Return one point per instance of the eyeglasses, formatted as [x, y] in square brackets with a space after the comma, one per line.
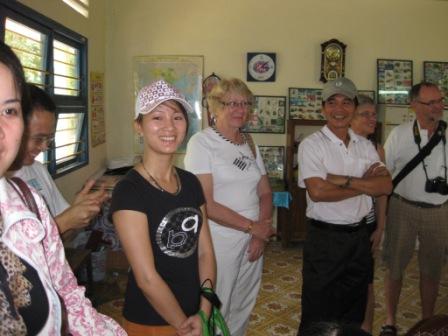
[367, 115]
[234, 104]
[42, 139]
[432, 103]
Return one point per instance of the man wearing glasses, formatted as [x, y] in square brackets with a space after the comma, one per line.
[41, 127]
[418, 207]
[341, 172]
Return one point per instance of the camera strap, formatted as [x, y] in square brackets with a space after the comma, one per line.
[423, 152]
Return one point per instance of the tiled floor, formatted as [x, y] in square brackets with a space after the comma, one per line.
[277, 310]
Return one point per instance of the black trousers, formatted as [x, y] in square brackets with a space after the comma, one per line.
[336, 268]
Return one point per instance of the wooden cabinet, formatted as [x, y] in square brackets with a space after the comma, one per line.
[293, 228]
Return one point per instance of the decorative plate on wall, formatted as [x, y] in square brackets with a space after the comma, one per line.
[261, 67]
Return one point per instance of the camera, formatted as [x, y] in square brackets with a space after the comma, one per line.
[437, 185]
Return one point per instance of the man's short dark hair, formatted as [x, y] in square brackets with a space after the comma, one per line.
[414, 92]
[40, 100]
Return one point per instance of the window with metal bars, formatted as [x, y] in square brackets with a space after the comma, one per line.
[54, 58]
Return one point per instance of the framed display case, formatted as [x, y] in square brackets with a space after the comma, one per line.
[437, 73]
[394, 80]
[305, 103]
[294, 228]
[274, 162]
[268, 115]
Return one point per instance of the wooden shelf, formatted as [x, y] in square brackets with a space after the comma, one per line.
[294, 228]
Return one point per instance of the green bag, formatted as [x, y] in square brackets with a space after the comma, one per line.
[215, 324]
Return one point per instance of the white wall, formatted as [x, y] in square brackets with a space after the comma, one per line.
[224, 31]
[94, 29]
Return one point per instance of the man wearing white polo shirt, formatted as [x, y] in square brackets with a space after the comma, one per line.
[418, 208]
[341, 172]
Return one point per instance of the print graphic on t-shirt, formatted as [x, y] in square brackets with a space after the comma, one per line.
[243, 162]
[35, 184]
[178, 232]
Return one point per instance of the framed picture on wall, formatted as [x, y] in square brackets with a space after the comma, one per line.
[394, 80]
[185, 73]
[437, 73]
[274, 162]
[305, 103]
[268, 115]
[368, 93]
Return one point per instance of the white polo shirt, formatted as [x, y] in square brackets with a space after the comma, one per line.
[324, 153]
[400, 148]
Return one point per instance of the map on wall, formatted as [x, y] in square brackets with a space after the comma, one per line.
[185, 73]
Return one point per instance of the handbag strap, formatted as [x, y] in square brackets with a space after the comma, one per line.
[25, 194]
[420, 156]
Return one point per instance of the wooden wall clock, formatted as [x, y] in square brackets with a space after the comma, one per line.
[332, 60]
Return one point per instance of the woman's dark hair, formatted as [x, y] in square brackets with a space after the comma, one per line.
[10, 60]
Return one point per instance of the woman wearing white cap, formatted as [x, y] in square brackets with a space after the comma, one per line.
[158, 211]
[239, 200]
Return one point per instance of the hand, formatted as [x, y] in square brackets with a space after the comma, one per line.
[78, 215]
[192, 326]
[375, 238]
[98, 196]
[256, 248]
[263, 229]
[377, 169]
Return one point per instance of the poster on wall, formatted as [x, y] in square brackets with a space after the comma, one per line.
[437, 73]
[268, 115]
[274, 161]
[394, 80]
[305, 103]
[185, 73]
[98, 125]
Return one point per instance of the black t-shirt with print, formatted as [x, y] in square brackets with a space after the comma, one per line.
[175, 222]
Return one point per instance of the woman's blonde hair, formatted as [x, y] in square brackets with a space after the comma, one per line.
[225, 86]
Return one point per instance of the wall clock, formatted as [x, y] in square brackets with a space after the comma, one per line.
[332, 64]
[261, 67]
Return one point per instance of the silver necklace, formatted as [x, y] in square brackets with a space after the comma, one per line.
[154, 181]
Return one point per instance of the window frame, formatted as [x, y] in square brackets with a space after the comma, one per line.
[65, 104]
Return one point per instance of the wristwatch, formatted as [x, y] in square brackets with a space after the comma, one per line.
[347, 182]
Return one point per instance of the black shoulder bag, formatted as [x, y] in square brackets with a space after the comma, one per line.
[424, 152]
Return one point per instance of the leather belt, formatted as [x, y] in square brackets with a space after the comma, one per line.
[423, 205]
[338, 227]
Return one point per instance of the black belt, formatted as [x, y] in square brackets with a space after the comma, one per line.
[418, 204]
[338, 227]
